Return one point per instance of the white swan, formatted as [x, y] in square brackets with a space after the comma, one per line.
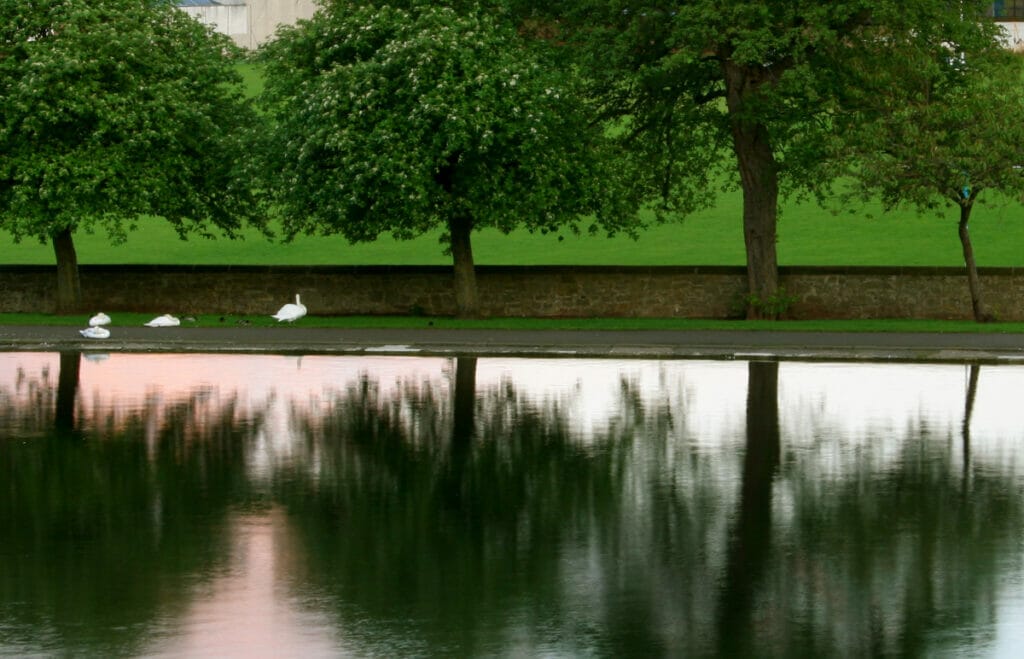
[291, 312]
[166, 320]
[95, 332]
[99, 319]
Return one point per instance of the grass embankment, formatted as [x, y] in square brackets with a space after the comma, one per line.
[808, 235]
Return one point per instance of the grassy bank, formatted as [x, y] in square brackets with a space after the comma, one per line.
[808, 235]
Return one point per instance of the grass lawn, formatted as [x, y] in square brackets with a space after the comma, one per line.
[808, 235]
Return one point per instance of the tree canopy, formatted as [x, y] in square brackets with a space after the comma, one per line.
[946, 130]
[405, 120]
[114, 109]
[757, 78]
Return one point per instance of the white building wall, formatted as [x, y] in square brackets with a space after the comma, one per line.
[232, 20]
[1013, 34]
[252, 22]
[266, 15]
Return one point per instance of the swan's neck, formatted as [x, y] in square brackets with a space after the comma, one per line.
[297, 299]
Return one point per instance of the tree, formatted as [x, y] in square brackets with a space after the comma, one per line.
[112, 110]
[949, 131]
[693, 81]
[404, 120]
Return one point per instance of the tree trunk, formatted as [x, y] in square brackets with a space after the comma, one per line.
[972, 393]
[464, 408]
[67, 392]
[463, 427]
[750, 542]
[69, 288]
[760, 182]
[466, 302]
[981, 313]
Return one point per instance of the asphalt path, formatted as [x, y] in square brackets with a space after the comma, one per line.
[701, 344]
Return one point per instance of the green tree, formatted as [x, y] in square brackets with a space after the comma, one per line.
[758, 80]
[950, 130]
[406, 120]
[111, 110]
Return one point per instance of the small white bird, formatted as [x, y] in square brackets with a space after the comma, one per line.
[95, 332]
[99, 319]
[291, 312]
[166, 320]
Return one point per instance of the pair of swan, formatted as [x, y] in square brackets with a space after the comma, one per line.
[96, 329]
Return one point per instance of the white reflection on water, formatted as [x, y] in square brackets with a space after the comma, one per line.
[834, 418]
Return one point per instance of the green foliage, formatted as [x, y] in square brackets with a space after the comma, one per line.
[670, 68]
[771, 306]
[397, 120]
[951, 130]
[112, 109]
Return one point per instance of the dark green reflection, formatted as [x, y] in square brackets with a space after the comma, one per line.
[423, 535]
[101, 536]
[438, 514]
[446, 518]
[898, 557]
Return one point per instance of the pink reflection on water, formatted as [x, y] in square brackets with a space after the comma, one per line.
[246, 611]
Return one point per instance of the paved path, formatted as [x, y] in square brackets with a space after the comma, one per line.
[737, 344]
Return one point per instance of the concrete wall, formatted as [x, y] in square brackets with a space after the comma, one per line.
[549, 291]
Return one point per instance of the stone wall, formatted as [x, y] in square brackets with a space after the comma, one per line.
[539, 291]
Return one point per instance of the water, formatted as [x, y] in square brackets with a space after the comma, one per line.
[225, 505]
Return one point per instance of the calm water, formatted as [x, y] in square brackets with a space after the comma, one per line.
[223, 505]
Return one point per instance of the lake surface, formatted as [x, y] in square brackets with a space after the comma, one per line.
[324, 506]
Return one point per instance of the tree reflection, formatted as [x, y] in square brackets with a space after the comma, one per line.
[749, 547]
[460, 540]
[29, 407]
[971, 394]
[423, 521]
[445, 518]
[67, 390]
[101, 538]
[888, 558]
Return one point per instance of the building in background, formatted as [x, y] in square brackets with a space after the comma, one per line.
[249, 23]
[1009, 14]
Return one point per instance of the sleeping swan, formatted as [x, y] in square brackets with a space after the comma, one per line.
[95, 332]
[166, 320]
[99, 319]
